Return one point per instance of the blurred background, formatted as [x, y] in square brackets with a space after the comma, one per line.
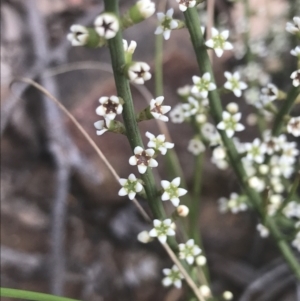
[64, 230]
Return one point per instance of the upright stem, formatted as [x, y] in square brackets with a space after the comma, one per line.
[193, 25]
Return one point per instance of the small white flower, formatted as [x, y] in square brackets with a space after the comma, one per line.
[252, 96]
[110, 107]
[162, 229]
[189, 251]
[205, 291]
[144, 237]
[177, 114]
[184, 91]
[232, 108]
[182, 210]
[235, 204]
[227, 295]
[256, 151]
[173, 276]
[159, 143]
[157, 110]
[296, 241]
[185, 4]
[281, 166]
[138, 72]
[129, 48]
[210, 133]
[263, 231]
[293, 28]
[269, 94]
[202, 85]
[107, 25]
[295, 76]
[146, 8]
[292, 209]
[172, 191]
[196, 146]
[296, 52]
[130, 186]
[275, 201]
[143, 159]
[191, 107]
[219, 41]
[230, 123]
[293, 126]
[102, 126]
[234, 84]
[79, 35]
[167, 23]
[201, 260]
[289, 152]
[257, 184]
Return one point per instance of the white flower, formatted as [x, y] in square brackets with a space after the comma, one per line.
[177, 114]
[107, 25]
[138, 72]
[110, 107]
[143, 159]
[280, 166]
[232, 108]
[235, 204]
[293, 126]
[230, 123]
[157, 110]
[296, 52]
[162, 229]
[275, 201]
[263, 231]
[289, 152]
[189, 251]
[172, 191]
[185, 4]
[159, 143]
[293, 28]
[102, 126]
[79, 35]
[219, 41]
[296, 241]
[129, 48]
[184, 91]
[210, 133]
[227, 295]
[191, 107]
[234, 84]
[252, 96]
[257, 184]
[205, 291]
[269, 94]
[146, 8]
[182, 210]
[295, 76]
[202, 85]
[196, 146]
[173, 276]
[167, 23]
[292, 209]
[130, 186]
[201, 260]
[144, 237]
[256, 151]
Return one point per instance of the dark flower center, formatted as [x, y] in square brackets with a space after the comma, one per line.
[110, 107]
[143, 158]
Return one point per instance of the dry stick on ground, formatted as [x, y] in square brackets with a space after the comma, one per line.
[171, 254]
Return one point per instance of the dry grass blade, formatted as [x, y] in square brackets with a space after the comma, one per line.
[83, 132]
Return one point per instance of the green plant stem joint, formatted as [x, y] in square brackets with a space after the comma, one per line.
[94, 40]
[144, 115]
[117, 127]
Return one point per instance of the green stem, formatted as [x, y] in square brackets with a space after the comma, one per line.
[247, 15]
[123, 90]
[193, 25]
[285, 110]
[28, 295]
[159, 90]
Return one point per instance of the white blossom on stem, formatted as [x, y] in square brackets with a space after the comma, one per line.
[256, 151]
[182, 210]
[295, 76]
[157, 110]
[293, 28]
[102, 126]
[219, 41]
[159, 143]
[79, 35]
[234, 83]
[138, 72]
[110, 107]
[162, 229]
[167, 23]
[296, 52]
[230, 123]
[293, 126]
[172, 191]
[130, 186]
[196, 146]
[189, 251]
[107, 25]
[202, 85]
[268, 94]
[146, 8]
[143, 159]
[173, 276]
[177, 114]
[263, 230]
[130, 48]
[185, 4]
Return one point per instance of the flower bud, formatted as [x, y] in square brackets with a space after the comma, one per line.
[182, 210]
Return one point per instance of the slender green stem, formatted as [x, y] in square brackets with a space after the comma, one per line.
[247, 15]
[123, 90]
[158, 65]
[285, 110]
[28, 295]
[193, 25]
